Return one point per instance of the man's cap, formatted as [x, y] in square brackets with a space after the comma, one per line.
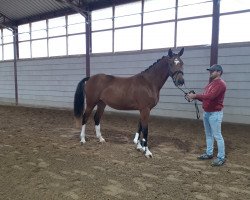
[215, 68]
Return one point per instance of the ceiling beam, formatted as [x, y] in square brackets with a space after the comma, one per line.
[75, 6]
[95, 5]
[6, 22]
[44, 16]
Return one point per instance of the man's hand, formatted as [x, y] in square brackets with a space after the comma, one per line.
[191, 96]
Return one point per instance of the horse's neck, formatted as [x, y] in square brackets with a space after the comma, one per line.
[158, 74]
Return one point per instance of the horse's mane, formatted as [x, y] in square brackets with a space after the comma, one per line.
[154, 64]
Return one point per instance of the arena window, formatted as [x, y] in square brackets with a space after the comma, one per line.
[7, 43]
[130, 27]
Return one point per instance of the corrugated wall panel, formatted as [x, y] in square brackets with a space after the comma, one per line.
[52, 81]
[236, 63]
[49, 82]
[7, 83]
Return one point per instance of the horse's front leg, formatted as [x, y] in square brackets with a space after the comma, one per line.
[144, 143]
[137, 137]
[144, 128]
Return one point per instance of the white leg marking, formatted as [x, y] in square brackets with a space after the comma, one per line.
[136, 138]
[139, 146]
[98, 133]
[148, 154]
[82, 135]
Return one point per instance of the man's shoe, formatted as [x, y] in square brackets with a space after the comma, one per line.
[204, 157]
[218, 162]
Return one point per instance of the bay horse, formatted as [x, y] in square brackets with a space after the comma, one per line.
[138, 92]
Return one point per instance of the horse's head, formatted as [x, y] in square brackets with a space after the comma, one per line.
[176, 67]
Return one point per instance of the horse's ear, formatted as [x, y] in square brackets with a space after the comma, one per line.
[181, 52]
[170, 53]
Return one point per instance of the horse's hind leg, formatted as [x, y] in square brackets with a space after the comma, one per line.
[97, 118]
[84, 121]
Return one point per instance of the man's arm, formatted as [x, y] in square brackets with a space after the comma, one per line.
[215, 92]
[211, 95]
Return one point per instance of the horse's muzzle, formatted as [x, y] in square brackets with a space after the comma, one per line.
[178, 79]
[179, 82]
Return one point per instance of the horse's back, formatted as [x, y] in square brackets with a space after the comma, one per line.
[124, 93]
[101, 82]
[104, 80]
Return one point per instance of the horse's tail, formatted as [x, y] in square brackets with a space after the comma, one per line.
[79, 98]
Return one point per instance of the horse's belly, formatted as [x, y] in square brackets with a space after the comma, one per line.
[121, 105]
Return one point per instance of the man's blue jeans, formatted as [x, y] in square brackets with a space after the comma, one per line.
[212, 124]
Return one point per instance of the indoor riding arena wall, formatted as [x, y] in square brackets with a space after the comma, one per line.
[7, 83]
[51, 82]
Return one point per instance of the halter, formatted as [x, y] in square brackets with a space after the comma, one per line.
[175, 74]
[174, 77]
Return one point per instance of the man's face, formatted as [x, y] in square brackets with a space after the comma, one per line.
[214, 74]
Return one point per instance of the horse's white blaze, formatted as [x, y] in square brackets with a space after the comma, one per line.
[98, 133]
[82, 135]
[136, 138]
[176, 61]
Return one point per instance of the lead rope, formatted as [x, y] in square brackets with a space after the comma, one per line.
[195, 100]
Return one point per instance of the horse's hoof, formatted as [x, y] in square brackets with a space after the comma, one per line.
[148, 153]
[102, 140]
[82, 142]
[149, 156]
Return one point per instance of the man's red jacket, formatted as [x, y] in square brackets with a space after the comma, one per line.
[213, 96]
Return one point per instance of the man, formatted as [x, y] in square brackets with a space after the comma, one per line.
[212, 103]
